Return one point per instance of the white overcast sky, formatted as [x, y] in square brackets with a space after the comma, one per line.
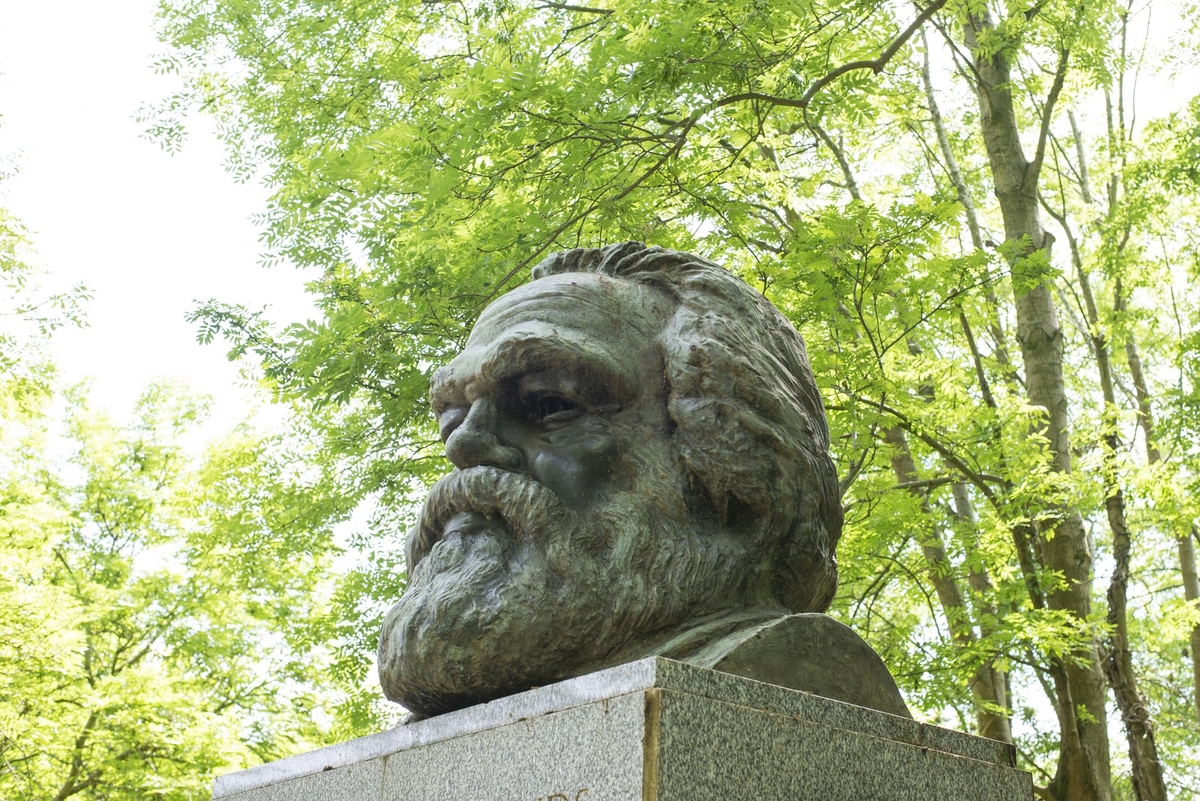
[148, 232]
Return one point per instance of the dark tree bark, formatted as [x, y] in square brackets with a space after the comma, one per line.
[1148, 781]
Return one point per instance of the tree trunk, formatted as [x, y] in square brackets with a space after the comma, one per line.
[1148, 781]
[988, 685]
[1186, 541]
[1191, 591]
[996, 726]
[1083, 768]
[964, 197]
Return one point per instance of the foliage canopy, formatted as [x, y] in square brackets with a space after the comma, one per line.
[992, 263]
[164, 614]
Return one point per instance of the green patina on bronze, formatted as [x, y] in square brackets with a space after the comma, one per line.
[642, 469]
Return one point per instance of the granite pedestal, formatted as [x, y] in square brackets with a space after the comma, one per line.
[653, 730]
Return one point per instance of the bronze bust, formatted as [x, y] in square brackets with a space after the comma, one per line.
[642, 468]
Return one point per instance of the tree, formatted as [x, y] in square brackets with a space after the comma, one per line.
[28, 317]
[425, 155]
[163, 615]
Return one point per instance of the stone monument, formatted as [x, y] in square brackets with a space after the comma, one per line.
[619, 591]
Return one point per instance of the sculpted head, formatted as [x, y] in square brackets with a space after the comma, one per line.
[640, 451]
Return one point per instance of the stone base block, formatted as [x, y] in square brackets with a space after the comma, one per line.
[653, 730]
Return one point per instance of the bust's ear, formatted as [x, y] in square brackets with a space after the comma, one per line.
[717, 443]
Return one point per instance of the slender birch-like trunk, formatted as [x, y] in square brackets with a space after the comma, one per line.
[1083, 772]
[1185, 540]
[988, 685]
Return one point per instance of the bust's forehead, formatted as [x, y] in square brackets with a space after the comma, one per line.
[583, 302]
[592, 324]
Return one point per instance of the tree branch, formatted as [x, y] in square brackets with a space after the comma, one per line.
[580, 9]
[1060, 74]
[876, 66]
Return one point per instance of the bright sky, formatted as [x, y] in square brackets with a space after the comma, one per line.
[146, 231]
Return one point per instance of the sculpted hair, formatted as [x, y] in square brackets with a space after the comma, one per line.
[750, 424]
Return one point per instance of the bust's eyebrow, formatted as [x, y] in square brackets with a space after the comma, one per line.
[530, 351]
[521, 353]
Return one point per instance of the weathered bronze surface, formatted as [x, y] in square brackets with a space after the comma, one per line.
[642, 468]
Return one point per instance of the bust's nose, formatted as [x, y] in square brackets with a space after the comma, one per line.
[477, 440]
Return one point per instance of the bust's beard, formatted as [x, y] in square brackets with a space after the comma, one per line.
[532, 592]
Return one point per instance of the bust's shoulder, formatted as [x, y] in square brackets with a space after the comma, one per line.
[809, 652]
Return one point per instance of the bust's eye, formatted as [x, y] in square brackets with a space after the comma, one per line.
[553, 409]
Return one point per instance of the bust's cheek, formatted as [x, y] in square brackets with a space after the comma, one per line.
[576, 467]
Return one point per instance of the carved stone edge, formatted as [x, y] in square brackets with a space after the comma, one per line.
[738, 690]
[620, 680]
[645, 674]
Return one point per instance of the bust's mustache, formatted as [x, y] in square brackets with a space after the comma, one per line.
[486, 498]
